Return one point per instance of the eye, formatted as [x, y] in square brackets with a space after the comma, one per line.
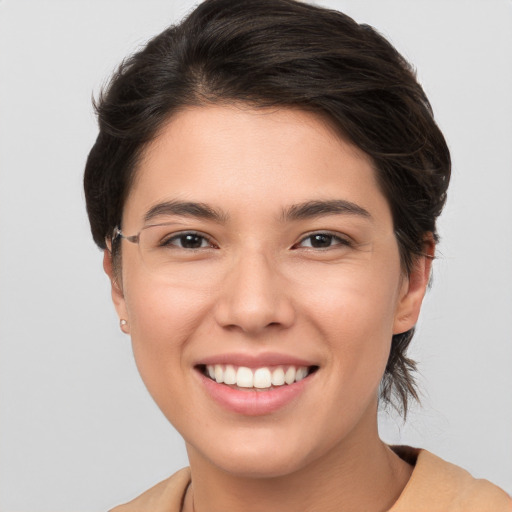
[187, 240]
[322, 241]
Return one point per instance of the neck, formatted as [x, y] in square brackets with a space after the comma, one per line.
[361, 473]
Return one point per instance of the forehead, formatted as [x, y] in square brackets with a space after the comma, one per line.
[255, 159]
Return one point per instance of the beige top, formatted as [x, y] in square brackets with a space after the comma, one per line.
[435, 486]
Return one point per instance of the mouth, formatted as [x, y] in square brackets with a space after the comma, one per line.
[265, 378]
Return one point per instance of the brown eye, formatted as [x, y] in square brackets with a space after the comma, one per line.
[322, 241]
[187, 241]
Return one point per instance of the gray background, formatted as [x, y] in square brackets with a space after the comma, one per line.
[78, 430]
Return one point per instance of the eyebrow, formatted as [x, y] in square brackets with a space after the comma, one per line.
[185, 209]
[301, 211]
[312, 209]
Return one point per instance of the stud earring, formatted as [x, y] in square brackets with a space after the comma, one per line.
[123, 325]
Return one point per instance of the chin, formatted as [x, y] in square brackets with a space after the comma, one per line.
[257, 453]
[260, 466]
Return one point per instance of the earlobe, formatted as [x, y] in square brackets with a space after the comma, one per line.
[414, 289]
[116, 290]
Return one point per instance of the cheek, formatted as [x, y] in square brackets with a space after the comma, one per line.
[161, 315]
[355, 313]
[362, 297]
[162, 321]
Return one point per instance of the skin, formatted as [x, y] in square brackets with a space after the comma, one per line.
[262, 289]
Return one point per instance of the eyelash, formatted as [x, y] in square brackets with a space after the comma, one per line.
[340, 241]
[167, 241]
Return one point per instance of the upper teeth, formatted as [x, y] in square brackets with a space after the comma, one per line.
[261, 378]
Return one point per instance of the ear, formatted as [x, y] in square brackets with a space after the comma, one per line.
[117, 291]
[414, 288]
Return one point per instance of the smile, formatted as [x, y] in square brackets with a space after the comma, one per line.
[248, 387]
[259, 379]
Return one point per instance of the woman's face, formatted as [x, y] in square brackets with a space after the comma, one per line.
[278, 260]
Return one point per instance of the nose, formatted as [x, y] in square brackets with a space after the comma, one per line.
[254, 296]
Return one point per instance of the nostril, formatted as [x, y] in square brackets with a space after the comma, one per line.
[252, 299]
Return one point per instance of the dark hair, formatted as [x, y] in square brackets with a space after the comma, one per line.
[281, 53]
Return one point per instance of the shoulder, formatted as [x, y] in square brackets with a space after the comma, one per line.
[165, 496]
[437, 485]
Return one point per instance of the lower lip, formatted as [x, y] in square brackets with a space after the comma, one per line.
[254, 403]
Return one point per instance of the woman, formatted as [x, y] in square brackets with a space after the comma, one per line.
[265, 186]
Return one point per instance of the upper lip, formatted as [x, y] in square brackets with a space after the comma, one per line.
[255, 360]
